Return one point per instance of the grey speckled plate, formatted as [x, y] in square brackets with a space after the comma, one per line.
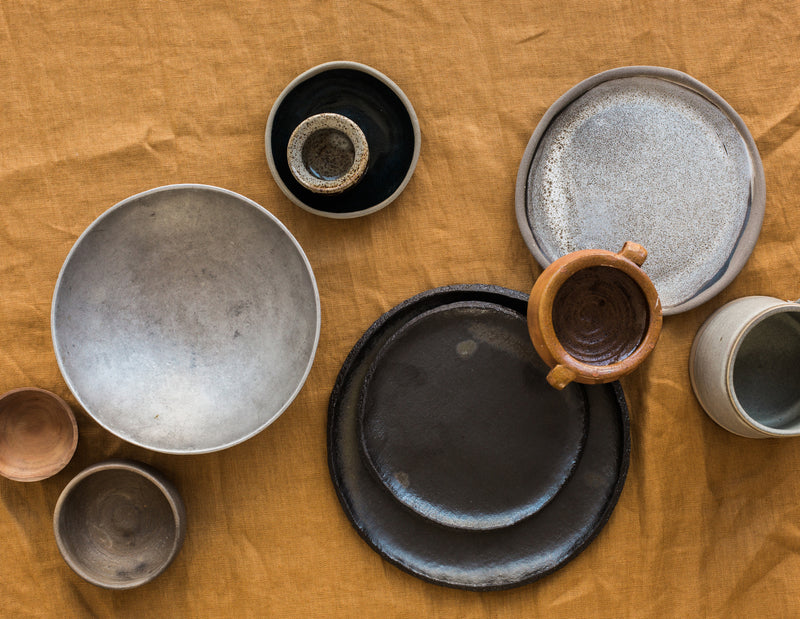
[650, 155]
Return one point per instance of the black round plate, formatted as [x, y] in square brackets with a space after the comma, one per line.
[377, 106]
[477, 560]
[459, 423]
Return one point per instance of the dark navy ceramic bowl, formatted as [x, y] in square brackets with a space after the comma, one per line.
[382, 111]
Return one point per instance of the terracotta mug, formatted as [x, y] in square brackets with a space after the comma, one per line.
[327, 153]
[594, 315]
[743, 367]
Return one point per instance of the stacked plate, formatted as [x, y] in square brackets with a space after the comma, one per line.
[453, 457]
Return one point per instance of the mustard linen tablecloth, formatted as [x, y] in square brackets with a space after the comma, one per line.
[101, 100]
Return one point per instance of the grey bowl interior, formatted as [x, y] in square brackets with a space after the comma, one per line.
[185, 319]
[119, 525]
[763, 375]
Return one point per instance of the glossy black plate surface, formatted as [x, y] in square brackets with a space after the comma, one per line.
[477, 560]
[384, 117]
[459, 422]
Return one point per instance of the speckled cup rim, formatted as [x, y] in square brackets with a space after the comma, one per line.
[354, 66]
[168, 491]
[752, 226]
[59, 464]
[309, 127]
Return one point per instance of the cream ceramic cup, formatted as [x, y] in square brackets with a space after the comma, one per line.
[327, 153]
[745, 367]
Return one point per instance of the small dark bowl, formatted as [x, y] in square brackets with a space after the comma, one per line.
[119, 524]
[38, 434]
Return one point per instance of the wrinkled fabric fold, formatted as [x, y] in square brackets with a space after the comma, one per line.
[101, 101]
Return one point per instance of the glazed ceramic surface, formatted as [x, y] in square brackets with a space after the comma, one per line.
[458, 423]
[457, 557]
[119, 524]
[38, 434]
[185, 319]
[327, 153]
[594, 316]
[382, 112]
[743, 367]
[650, 155]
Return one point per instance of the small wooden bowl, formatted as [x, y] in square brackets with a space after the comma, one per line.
[119, 524]
[38, 434]
[594, 315]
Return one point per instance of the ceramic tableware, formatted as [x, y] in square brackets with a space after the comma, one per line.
[743, 367]
[186, 319]
[594, 316]
[38, 434]
[343, 115]
[452, 435]
[475, 559]
[327, 153]
[650, 155]
[119, 524]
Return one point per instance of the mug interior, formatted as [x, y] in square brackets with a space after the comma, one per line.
[764, 374]
[600, 315]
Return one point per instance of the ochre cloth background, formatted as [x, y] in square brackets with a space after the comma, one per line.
[101, 100]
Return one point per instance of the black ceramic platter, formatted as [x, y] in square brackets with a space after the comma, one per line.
[418, 526]
[382, 111]
[457, 421]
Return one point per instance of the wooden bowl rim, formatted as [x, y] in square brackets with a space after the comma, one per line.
[56, 465]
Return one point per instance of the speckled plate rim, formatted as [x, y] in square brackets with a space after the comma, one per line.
[355, 66]
[340, 386]
[125, 203]
[755, 213]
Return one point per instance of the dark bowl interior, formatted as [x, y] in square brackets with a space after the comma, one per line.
[117, 528]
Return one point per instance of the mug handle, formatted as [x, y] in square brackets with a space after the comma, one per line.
[633, 252]
[561, 376]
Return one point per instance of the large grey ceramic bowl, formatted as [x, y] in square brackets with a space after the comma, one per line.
[185, 319]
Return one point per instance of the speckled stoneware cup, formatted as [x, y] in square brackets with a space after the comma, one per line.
[743, 367]
[38, 434]
[594, 315]
[328, 153]
[119, 524]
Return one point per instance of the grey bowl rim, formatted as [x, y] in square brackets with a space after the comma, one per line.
[122, 204]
